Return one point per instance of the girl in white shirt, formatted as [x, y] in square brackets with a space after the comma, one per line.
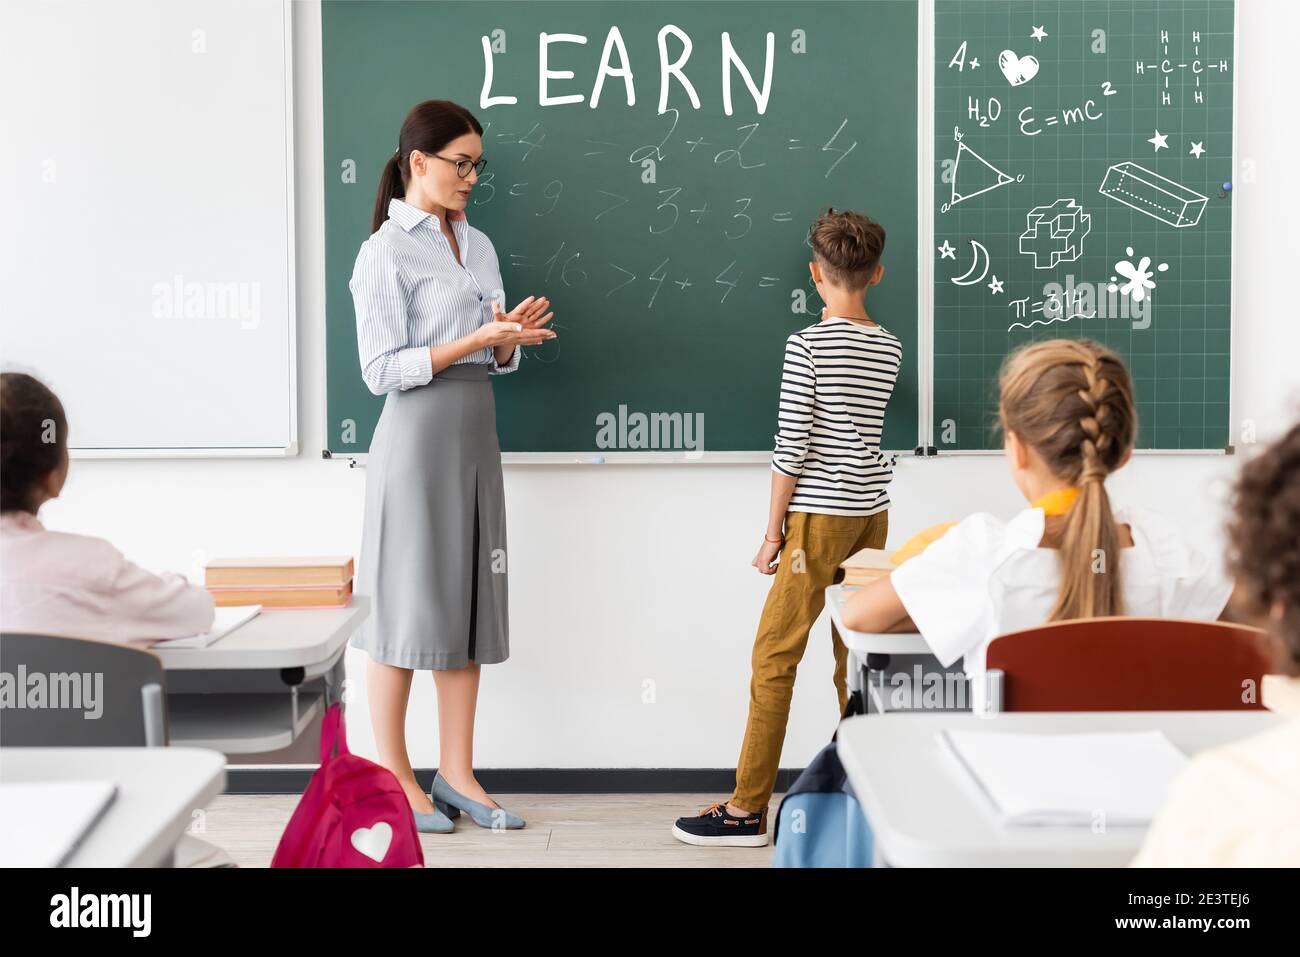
[1069, 420]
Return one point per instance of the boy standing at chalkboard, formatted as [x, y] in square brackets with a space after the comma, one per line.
[829, 499]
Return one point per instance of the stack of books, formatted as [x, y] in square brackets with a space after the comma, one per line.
[280, 582]
[866, 566]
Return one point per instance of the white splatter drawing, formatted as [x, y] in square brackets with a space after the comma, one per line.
[980, 263]
[1139, 277]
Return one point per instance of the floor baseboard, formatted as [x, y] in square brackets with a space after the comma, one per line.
[293, 780]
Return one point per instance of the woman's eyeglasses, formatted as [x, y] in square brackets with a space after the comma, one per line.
[463, 166]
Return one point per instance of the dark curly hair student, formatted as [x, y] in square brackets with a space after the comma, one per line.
[33, 443]
[1235, 805]
[1264, 542]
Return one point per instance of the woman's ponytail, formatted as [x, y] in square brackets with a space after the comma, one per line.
[392, 185]
[429, 127]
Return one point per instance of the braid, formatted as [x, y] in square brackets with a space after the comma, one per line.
[1096, 439]
[1072, 401]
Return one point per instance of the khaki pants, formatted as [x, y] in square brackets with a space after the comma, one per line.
[815, 545]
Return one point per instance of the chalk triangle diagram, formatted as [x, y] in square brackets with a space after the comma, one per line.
[975, 175]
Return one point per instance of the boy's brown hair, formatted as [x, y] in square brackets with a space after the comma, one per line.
[848, 247]
[1264, 540]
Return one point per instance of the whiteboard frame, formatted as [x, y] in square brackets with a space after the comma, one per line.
[291, 306]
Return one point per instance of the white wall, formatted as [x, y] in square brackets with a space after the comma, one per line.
[626, 574]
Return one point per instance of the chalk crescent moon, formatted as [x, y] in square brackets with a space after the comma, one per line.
[981, 260]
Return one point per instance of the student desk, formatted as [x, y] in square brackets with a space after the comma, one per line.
[925, 811]
[257, 688]
[158, 791]
[869, 652]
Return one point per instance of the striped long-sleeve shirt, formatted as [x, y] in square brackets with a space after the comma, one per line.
[410, 293]
[836, 381]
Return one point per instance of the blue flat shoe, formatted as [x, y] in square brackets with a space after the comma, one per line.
[433, 823]
[451, 802]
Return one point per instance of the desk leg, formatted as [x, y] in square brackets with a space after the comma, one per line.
[334, 679]
[875, 663]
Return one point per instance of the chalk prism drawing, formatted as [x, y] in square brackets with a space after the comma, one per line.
[1153, 195]
[1018, 70]
[1054, 233]
[981, 175]
[980, 263]
[1139, 276]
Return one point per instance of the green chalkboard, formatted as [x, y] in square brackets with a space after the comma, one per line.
[1088, 140]
[675, 282]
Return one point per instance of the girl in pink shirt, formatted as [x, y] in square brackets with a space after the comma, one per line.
[56, 583]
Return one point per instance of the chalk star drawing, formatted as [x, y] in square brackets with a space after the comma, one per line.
[1054, 233]
[995, 285]
[1153, 194]
[1160, 141]
[1038, 34]
[947, 250]
[980, 263]
[1139, 276]
[980, 174]
[1197, 149]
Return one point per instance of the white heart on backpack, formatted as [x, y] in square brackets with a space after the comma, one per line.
[1018, 70]
[373, 841]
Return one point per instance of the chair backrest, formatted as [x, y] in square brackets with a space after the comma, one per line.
[1131, 664]
[70, 692]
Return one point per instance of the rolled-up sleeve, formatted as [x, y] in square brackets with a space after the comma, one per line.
[795, 413]
[388, 361]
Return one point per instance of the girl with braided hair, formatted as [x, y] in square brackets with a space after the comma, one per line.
[1069, 420]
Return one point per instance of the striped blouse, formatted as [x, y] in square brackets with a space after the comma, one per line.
[835, 384]
[411, 293]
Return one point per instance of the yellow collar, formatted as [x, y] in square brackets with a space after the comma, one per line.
[1056, 503]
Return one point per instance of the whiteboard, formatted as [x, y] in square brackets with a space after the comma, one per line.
[148, 241]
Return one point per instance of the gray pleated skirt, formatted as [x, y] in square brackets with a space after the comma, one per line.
[433, 547]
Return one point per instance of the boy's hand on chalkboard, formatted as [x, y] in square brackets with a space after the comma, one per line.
[765, 560]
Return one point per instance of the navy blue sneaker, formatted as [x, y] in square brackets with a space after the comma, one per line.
[714, 827]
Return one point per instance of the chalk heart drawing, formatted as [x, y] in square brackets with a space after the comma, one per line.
[1139, 277]
[373, 841]
[1018, 70]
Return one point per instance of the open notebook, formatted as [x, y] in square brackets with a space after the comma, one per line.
[42, 823]
[225, 621]
[1117, 779]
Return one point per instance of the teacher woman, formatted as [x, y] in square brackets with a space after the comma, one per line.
[430, 330]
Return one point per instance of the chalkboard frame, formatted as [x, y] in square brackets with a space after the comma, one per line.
[924, 357]
[926, 233]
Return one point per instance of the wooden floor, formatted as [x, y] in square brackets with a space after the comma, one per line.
[564, 830]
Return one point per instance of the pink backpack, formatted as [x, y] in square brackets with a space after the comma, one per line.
[353, 814]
